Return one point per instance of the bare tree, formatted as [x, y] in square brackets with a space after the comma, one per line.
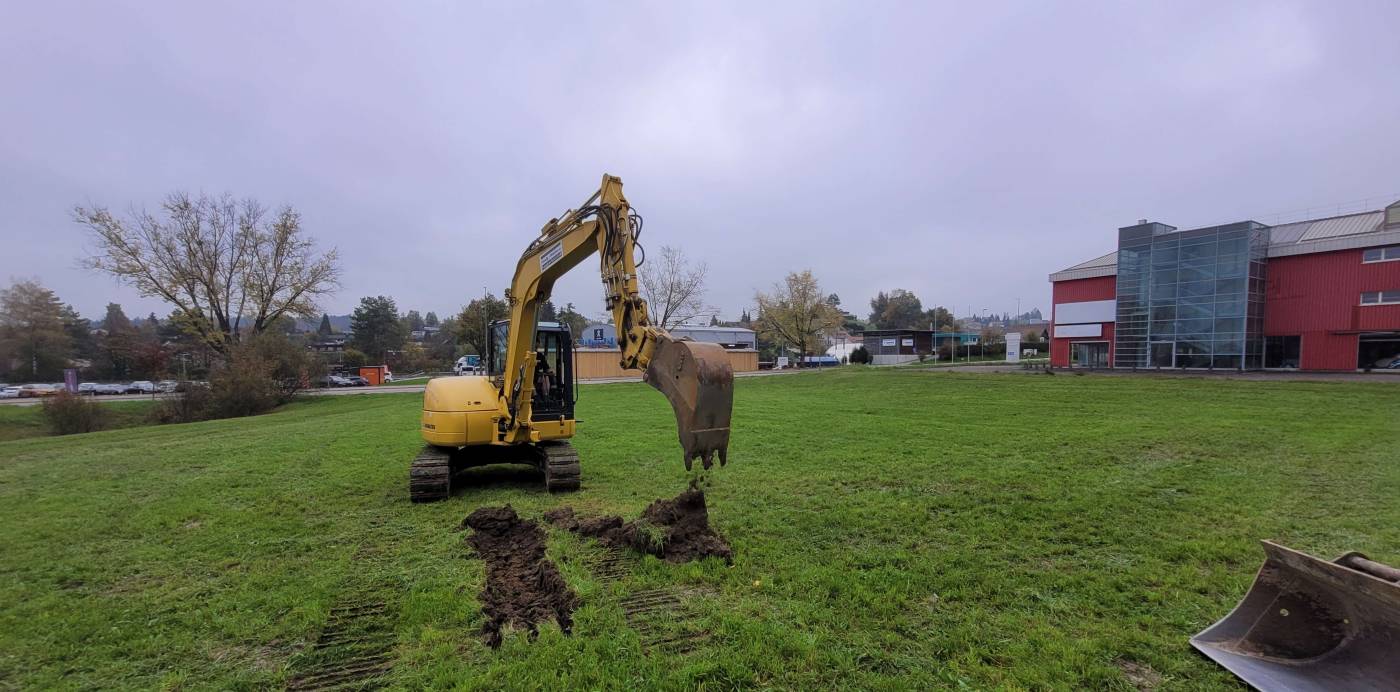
[674, 290]
[796, 313]
[218, 260]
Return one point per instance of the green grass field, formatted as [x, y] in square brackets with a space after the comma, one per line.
[19, 422]
[892, 529]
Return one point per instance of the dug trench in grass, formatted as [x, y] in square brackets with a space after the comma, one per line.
[524, 588]
[675, 530]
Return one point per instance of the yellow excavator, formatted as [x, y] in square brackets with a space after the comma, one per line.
[522, 409]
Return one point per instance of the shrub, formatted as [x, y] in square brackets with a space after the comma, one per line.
[192, 404]
[257, 376]
[860, 355]
[68, 413]
[242, 386]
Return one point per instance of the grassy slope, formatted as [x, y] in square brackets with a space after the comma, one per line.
[19, 422]
[905, 529]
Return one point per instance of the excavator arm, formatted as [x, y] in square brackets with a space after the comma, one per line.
[695, 377]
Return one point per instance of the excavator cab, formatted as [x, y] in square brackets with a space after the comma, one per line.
[555, 387]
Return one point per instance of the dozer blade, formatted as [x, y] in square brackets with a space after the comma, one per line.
[1309, 624]
[699, 382]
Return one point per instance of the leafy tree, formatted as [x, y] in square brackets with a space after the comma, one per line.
[413, 321]
[546, 312]
[117, 346]
[441, 347]
[376, 328]
[216, 259]
[473, 320]
[833, 300]
[79, 331]
[431, 319]
[941, 319]
[325, 329]
[714, 320]
[32, 332]
[860, 355]
[116, 319]
[745, 319]
[795, 314]
[572, 317]
[353, 358]
[900, 309]
[673, 289]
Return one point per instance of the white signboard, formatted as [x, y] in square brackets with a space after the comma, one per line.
[1013, 347]
[1069, 330]
[887, 342]
[906, 342]
[1085, 312]
[782, 362]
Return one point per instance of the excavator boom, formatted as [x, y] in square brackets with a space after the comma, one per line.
[695, 377]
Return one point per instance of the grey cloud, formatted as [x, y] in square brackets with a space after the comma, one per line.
[961, 152]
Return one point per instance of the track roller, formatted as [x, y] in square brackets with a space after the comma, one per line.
[430, 477]
[559, 461]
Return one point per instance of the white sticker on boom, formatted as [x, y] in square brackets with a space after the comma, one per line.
[551, 255]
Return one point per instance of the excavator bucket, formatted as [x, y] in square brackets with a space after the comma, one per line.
[1309, 624]
[699, 382]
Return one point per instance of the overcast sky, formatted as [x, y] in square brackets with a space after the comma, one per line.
[962, 151]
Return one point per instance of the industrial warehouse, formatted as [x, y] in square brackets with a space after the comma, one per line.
[1320, 294]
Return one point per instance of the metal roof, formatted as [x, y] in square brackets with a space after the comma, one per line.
[1349, 231]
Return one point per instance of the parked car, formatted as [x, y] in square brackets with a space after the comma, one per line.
[1394, 365]
[9, 393]
[87, 388]
[334, 381]
[141, 387]
[36, 390]
[167, 386]
[356, 381]
[109, 388]
[463, 366]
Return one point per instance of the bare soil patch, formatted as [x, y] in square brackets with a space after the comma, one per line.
[675, 530]
[523, 588]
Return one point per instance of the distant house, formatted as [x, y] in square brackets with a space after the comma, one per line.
[598, 335]
[330, 343]
[892, 346]
[732, 338]
[418, 336]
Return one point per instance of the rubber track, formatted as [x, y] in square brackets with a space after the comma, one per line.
[560, 466]
[430, 477]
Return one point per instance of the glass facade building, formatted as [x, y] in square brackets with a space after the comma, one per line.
[1191, 299]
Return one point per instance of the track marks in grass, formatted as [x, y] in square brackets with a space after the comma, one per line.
[353, 651]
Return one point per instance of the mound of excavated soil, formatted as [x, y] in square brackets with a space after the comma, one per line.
[675, 530]
[523, 587]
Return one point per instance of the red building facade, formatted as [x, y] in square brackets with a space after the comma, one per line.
[1331, 298]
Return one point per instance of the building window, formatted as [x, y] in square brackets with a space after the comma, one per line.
[1282, 351]
[1381, 254]
[1380, 297]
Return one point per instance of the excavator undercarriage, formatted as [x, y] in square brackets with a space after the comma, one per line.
[437, 470]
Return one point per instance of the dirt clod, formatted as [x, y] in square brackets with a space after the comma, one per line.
[675, 530]
[523, 588]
